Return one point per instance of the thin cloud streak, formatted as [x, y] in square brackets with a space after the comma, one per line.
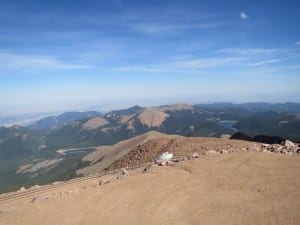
[248, 51]
[157, 28]
[276, 60]
[239, 58]
[265, 62]
[18, 61]
[192, 65]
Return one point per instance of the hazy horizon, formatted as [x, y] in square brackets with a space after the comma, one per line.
[72, 55]
[105, 108]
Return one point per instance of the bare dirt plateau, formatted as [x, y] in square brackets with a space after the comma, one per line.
[238, 188]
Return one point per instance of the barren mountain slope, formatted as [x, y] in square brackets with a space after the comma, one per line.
[95, 123]
[239, 188]
[152, 117]
[146, 147]
[104, 156]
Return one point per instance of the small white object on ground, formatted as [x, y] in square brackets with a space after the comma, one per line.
[164, 158]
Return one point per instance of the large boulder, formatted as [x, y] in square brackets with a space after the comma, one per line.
[289, 144]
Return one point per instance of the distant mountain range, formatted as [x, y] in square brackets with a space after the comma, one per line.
[56, 122]
[37, 144]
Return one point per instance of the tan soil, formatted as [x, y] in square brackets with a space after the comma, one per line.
[95, 123]
[239, 188]
[152, 117]
[129, 119]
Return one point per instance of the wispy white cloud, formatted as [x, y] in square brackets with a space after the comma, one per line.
[248, 51]
[237, 58]
[274, 60]
[298, 43]
[211, 62]
[17, 61]
[244, 16]
[265, 62]
[191, 65]
[169, 28]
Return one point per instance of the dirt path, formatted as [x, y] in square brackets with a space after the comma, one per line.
[238, 188]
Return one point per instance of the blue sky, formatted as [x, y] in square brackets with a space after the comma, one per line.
[68, 55]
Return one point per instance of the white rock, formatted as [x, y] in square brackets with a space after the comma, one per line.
[124, 172]
[266, 151]
[265, 145]
[22, 189]
[195, 155]
[210, 152]
[289, 143]
[166, 156]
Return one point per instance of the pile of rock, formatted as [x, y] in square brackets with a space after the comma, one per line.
[287, 147]
[103, 181]
[124, 173]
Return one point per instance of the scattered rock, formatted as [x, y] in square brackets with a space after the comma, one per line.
[266, 151]
[195, 155]
[179, 159]
[103, 181]
[36, 199]
[211, 152]
[170, 163]
[146, 168]
[224, 151]
[124, 172]
[286, 148]
[35, 187]
[57, 182]
[22, 189]
[160, 162]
